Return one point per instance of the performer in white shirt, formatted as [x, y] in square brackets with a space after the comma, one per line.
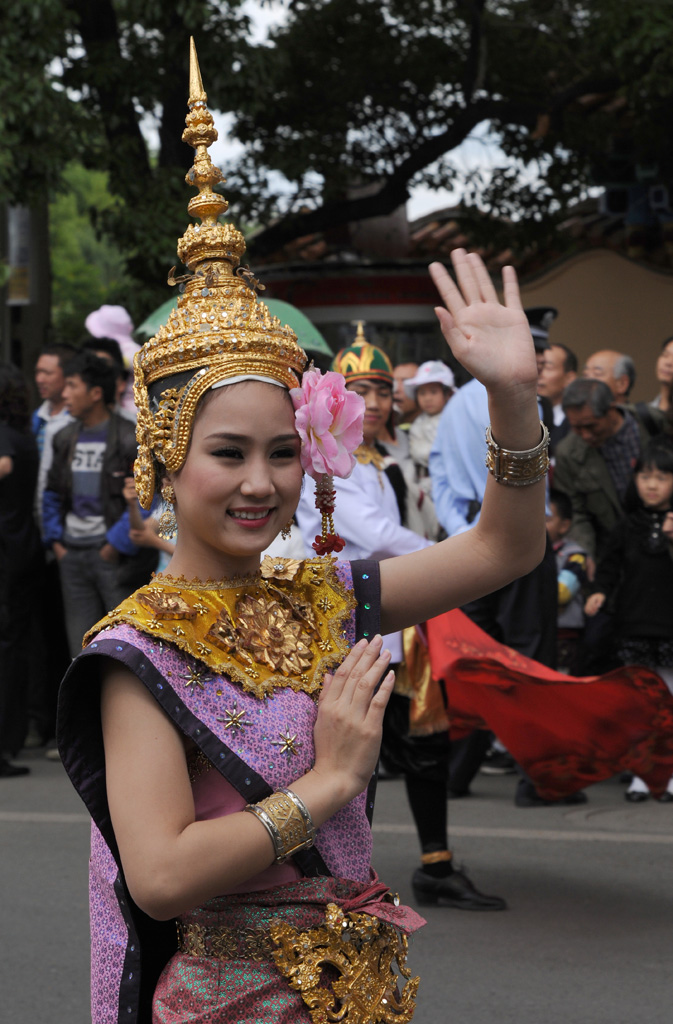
[370, 512]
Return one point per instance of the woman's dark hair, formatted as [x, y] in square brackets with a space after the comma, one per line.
[657, 454]
[14, 398]
[95, 372]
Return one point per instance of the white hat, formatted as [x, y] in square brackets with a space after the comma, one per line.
[432, 372]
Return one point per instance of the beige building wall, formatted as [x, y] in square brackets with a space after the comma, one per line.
[607, 301]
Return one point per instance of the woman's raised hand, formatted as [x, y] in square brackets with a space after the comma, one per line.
[490, 339]
[347, 731]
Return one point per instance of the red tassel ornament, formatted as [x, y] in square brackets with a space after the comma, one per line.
[329, 542]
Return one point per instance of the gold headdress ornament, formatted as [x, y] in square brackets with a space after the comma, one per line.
[219, 330]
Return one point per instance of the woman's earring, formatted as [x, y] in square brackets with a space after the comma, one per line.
[287, 530]
[168, 525]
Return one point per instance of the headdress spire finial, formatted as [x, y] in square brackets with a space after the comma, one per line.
[197, 93]
[218, 243]
[219, 330]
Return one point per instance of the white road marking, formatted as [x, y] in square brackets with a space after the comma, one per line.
[44, 818]
[552, 835]
[463, 831]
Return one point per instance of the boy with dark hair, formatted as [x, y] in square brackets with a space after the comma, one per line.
[94, 372]
[110, 350]
[104, 348]
[85, 515]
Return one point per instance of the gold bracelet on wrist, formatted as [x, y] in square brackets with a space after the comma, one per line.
[518, 469]
[287, 820]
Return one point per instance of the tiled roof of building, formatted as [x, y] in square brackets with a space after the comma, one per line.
[435, 235]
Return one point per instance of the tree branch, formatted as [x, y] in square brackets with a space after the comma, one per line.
[394, 191]
[583, 87]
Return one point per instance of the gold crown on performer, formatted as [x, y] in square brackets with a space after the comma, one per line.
[219, 332]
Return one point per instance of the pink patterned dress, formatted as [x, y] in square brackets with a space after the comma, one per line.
[234, 958]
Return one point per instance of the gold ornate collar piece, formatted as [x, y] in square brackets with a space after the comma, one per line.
[285, 628]
[367, 454]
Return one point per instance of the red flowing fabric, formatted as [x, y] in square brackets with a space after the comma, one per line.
[565, 732]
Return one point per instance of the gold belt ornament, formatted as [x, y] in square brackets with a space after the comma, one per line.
[225, 943]
[360, 948]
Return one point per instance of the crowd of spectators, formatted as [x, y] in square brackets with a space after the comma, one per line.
[74, 537]
[66, 520]
[602, 596]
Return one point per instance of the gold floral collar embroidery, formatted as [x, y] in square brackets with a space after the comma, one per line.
[367, 453]
[283, 628]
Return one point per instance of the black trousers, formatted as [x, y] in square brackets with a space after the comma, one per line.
[424, 763]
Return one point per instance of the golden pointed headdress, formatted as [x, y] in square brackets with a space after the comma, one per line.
[218, 332]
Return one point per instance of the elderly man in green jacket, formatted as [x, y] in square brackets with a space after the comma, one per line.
[594, 463]
[594, 466]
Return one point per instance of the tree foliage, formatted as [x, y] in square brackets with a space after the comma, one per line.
[106, 84]
[385, 92]
[87, 268]
[345, 94]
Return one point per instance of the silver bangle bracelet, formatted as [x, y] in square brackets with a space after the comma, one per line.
[269, 825]
[516, 468]
[304, 812]
[288, 822]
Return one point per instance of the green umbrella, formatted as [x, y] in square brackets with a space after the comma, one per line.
[155, 320]
[308, 335]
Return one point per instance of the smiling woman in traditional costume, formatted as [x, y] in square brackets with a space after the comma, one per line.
[223, 723]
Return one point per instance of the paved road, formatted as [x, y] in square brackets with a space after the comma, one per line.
[587, 938]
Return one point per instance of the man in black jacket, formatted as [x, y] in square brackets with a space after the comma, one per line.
[85, 515]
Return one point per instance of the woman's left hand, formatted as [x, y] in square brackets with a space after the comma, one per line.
[490, 339]
[347, 731]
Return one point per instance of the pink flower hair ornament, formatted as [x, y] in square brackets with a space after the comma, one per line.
[329, 422]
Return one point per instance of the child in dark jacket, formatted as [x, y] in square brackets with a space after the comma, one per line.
[571, 566]
[636, 575]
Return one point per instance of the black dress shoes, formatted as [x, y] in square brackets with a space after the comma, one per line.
[10, 771]
[454, 890]
[636, 796]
